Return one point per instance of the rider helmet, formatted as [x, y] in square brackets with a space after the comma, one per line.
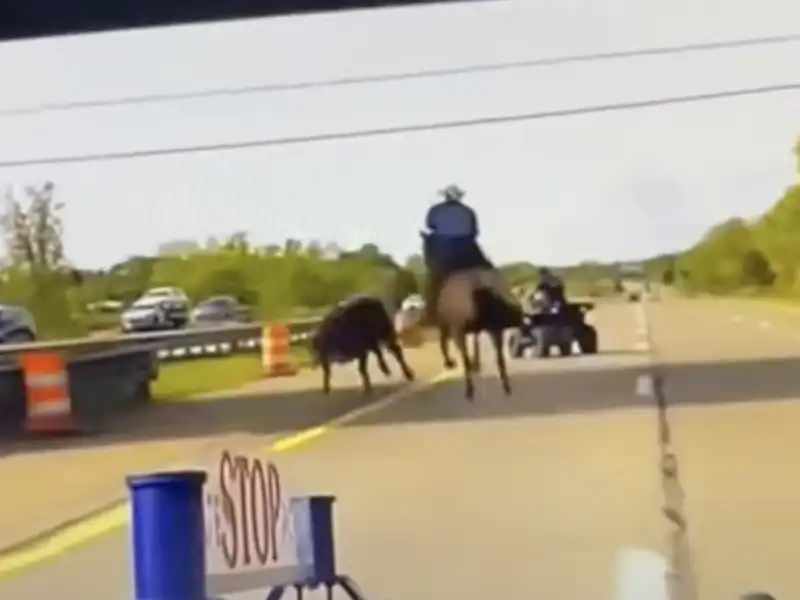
[452, 193]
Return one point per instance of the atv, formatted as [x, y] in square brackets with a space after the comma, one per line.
[561, 326]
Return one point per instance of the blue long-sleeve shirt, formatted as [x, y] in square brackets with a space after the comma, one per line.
[452, 219]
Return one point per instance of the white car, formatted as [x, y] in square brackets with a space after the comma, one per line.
[158, 308]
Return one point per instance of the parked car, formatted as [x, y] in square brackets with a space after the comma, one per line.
[17, 325]
[219, 309]
[174, 303]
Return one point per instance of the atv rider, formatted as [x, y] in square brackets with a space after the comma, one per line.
[453, 231]
[550, 288]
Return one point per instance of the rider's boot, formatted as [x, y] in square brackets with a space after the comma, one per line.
[431, 296]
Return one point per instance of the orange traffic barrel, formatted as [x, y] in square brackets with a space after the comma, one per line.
[276, 358]
[48, 408]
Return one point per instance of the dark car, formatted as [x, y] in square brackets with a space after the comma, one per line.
[219, 309]
[17, 325]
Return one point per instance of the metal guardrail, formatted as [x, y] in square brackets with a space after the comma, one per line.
[111, 376]
[248, 343]
[171, 345]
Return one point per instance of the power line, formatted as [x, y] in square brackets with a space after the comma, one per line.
[400, 76]
[387, 131]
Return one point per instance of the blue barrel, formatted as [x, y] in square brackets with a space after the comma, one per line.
[168, 532]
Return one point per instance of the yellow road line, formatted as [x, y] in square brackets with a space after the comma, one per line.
[104, 522]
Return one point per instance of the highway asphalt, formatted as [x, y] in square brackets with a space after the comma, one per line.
[536, 496]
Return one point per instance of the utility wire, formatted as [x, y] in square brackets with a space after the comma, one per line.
[401, 129]
[400, 76]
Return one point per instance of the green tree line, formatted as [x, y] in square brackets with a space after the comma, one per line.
[761, 255]
[276, 280]
[291, 279]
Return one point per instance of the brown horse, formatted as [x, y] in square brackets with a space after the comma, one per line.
[468, 301]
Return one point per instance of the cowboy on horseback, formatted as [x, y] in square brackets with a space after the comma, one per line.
[453, 227]
[465, 294]
[453, 234]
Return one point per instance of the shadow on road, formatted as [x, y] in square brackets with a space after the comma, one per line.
[581, 391]
[253, 413]
[535, 394]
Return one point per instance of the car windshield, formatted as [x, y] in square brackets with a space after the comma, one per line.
[147, 302]
[160, 293]
[216, 303]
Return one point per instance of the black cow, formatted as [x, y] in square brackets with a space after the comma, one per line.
[350, 331]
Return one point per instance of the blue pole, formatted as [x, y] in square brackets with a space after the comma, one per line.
[321, 516]
[168, 536]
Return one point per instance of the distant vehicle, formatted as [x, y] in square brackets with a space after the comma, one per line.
[153, 313]
[174, 302]
[17, 325]
[633, 270]
[219, 309]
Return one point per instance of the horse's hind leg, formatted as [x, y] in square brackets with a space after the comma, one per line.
[476, 353]
[461, 344]
[502, 369]
[444, 347]
[364, 372]
[397, 351]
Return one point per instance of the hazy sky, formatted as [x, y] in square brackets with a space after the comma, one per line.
[554, 191]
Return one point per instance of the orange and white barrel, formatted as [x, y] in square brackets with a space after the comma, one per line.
[48, 407]
[276, 346]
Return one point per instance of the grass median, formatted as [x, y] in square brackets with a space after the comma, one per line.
[181, 380]
[184, 379]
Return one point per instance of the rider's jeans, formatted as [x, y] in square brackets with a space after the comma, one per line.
[454, 252]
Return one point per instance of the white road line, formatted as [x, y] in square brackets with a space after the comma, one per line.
[645, 386]
[641, 575]
[765, 325]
